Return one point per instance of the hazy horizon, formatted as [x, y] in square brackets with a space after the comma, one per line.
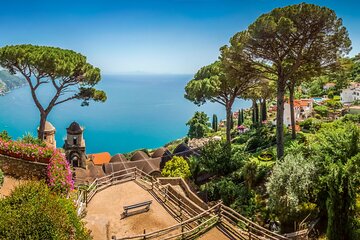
[146, 37]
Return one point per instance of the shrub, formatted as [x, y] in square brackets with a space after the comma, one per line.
[25, 151]
[322, 110]
[1, 178]
[264, 136]
[311, 124]
[355, 118]
[32, 211]
[216, 157]
[59, 174]
[337, 98]
[331, 103]
[176, 167]
[290, 185]
[4, 135]
[30, 139]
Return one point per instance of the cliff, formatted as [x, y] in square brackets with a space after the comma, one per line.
[9, 82]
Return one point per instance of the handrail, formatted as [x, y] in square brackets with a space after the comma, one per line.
[255, 225]
[254, 230]
[172, 227]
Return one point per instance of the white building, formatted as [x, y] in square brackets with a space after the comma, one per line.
[302, 109]
[351, 93]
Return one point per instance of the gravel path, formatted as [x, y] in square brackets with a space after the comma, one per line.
[106, 207]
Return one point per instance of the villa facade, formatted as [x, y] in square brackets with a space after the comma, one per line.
[350, 94]
[303, 109]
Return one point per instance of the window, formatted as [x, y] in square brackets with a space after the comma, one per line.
[75, 141]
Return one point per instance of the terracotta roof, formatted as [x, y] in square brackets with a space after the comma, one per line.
[100, 158]
[301, 102]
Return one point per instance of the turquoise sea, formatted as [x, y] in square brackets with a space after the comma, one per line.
[142, 111]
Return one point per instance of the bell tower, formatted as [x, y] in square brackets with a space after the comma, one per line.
[75, 149]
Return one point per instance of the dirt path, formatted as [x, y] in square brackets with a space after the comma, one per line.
[9, 185]
[214, 234]
[107, 206]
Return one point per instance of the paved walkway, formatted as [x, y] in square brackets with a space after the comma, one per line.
[104, 213]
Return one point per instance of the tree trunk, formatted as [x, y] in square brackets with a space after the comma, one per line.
[253, 112]
[41, 130]
[263, 111]
[228, 122]
[292, 112]
[256, 113]
[280, 117]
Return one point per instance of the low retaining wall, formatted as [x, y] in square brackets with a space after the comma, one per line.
[23, 169]
[190, 194]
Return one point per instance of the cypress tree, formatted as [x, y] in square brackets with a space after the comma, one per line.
[215, 123]
[239, 118]
[242, 116]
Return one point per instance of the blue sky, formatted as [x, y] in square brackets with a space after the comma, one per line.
[146, 36]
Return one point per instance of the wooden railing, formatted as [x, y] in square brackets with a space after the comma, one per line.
[208, 218]
[243, 227]
[191, 222]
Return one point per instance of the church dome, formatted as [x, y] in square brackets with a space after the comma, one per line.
[48, 127]
[74, 128]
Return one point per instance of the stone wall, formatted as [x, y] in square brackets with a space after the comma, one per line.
[22, 169]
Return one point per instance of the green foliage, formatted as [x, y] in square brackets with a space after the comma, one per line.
[264, 136]
[291, 184]
[336, 147]
[334, 104]
[198, 125]
[30, 139]
[176, 167]
[211, 83]
[355, 118]
[216, 157]
[66, 71]
[311, 124]
[1, 178]
[32, 211]
[5, 135]
[322, 110]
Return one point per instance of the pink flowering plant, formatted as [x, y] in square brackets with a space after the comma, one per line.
[59, 174]
[26, 151]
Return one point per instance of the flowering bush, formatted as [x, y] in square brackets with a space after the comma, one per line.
[26, 151]
[59, 174]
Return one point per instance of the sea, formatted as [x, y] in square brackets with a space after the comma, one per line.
[141, 111]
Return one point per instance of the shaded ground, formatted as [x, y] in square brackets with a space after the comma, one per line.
[9, 185]
[214, 234]
[107, 206]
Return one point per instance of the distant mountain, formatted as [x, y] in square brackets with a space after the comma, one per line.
[9, 82]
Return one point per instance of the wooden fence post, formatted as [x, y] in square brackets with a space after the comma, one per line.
[219, 213]
[144, 234]
[182, 231]
[249, 230]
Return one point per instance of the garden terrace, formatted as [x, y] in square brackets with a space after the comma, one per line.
[169, 217]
